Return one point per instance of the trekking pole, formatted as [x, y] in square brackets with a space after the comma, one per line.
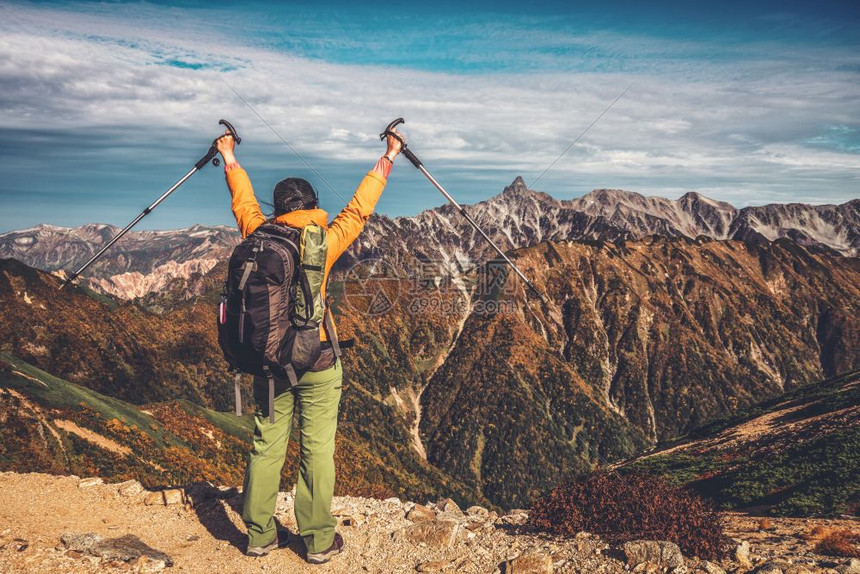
[210, 156]
[420, 166]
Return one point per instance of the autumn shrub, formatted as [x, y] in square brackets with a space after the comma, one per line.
[843, 543]
[634, 506]
[818, 532]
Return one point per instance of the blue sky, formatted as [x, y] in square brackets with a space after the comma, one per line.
[106, 104]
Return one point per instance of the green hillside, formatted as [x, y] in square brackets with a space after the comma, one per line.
[798, 455]
[48, 424]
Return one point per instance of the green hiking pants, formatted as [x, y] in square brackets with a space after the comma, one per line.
[315, 400]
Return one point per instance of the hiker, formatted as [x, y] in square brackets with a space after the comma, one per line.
[317, 392]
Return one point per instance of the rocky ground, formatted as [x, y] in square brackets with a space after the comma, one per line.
[66, 524]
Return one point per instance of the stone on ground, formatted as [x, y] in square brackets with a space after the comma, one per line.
[165, 497]
[742, 555]
[129, 488]
[447, 505]
[850, 567]
[438, 534]
[125, 548]
[421, 513]
[659, 553]
[90, 481]
[532, 563]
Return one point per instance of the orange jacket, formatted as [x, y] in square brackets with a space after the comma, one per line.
[340, 233]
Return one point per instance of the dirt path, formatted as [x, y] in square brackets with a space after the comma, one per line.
[36, 510]
[41, 508]
[92, 437]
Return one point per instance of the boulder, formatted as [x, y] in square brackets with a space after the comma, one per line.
[475, 525]
[448, 506]
[126, 548]
[516, 517]
[165, 497]
[741, 555]
[129, 488]
[850, 567]
[421, 513]
[711, 568]
[173, 496]
[439, 534]
[478, 512]
[532, 563]
[660, 553]
[90, 481]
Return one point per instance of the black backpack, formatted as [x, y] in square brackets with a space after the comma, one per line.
[271, 308]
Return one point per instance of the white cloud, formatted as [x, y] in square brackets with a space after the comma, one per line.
[740, 122]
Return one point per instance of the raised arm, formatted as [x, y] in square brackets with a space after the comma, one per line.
[348, 224]
[244, 204]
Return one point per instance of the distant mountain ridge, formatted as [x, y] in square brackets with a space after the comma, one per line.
[519, 217]
[147, 261]
[140, 263]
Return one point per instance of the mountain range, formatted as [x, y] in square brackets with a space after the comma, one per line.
[659, 316]
[146, 261]
[637, 343]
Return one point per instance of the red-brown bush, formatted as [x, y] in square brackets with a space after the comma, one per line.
[840, 543]
[623, 507]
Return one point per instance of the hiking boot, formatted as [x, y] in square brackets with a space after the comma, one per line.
[260, 551]
[324, 556]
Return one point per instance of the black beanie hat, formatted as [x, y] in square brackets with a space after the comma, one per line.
[293, 193]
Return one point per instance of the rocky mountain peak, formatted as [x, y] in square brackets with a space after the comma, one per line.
[696, 198]
[607, 196]
[517, 186]
[517, 217]
[517, 192]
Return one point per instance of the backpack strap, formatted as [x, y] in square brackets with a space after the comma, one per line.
[291, 375]
[271, 398]
[247, 268]
[271, 379]
[237, 388]
[305, 286]
[329, 328]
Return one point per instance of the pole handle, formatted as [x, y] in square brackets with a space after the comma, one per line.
[389, 131]
[232, 130]
[390, 127]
